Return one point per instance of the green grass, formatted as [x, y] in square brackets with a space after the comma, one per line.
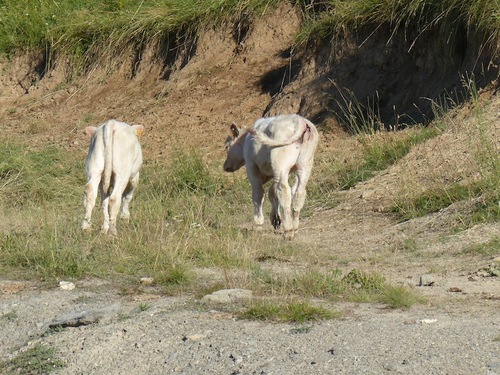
[296, 312]
[381, 152]
[38, 359]
[336, 17]
[33, 178]
[486, 208]
[144, 306]
[8, 317]
[89, 28]
[185, 217]
[489, 248]
[484, 190]
[355, 286]
[85, 28]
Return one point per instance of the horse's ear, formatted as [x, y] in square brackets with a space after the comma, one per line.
[234, 131]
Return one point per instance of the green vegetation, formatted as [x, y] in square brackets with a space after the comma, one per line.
[296, 312]
[417, 16]
[380, 153]
[490, 248]
[355, 286]
[484, 189]
[8, 317]
[144, 306]
[38, 359]
[182, 220]
[83, 29]
[37, 177]
[486, 208]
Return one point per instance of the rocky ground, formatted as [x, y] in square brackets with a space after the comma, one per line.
[110, 334]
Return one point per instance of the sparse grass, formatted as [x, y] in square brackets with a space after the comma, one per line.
[8, 317]
[34, 178]
[355, 286]
[38, 359]
[297, 312]
[381, 151]
[483, 191]
[434, 200]
[144, 306]
[490, 248]
[400, 297]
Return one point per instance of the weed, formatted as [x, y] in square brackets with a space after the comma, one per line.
[53, 330]
[88, 118]
[399, 297]
[144, 306]
[336, 16]
[286, 311]
[490, 248]
[8, 317]
[38, 359]
[381, 152]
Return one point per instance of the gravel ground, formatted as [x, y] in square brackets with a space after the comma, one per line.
[176, 335]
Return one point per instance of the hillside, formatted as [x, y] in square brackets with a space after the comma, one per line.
[186, 93]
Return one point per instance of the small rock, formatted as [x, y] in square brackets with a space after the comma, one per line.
[428, 321]
[454, 289]
[171, 358]
[228, 296]
[83, 317]
[147, 280]
[196, 337]
[427, 280]
[66, 285]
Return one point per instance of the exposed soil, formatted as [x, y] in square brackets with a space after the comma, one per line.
[226, 77]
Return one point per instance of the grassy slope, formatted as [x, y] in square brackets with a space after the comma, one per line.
[84, 28]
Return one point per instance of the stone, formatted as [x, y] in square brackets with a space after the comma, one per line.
[228, 296]
[147, 281]
[66, 285]
[427, 280]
